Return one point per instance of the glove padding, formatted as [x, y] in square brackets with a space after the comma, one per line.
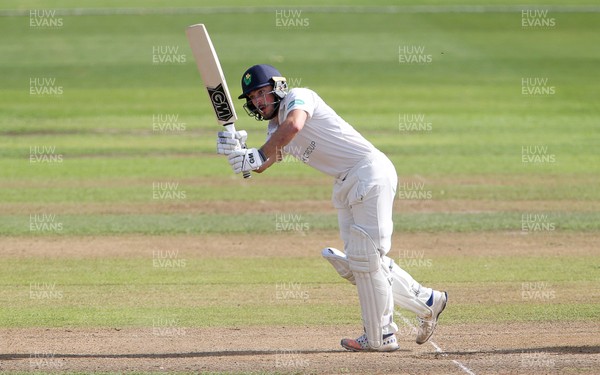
[228, 142]
[246, 160]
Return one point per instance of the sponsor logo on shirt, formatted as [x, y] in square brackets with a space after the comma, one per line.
[294, 102]
[309, 150]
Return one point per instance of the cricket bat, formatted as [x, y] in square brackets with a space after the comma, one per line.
[213, 77]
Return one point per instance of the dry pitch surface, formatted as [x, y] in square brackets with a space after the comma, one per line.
[498, 348]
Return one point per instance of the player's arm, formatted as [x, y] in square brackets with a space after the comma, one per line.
[286, 131]
[259, 160]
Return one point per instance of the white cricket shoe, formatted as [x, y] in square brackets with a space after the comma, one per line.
[427, 324]
[362, 345]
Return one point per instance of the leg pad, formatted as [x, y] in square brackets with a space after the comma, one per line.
[373, 284]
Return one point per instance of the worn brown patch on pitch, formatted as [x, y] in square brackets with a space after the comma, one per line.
[495, 348]
[300, 244]
[508, 348]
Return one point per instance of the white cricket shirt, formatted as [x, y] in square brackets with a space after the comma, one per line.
[326, 142]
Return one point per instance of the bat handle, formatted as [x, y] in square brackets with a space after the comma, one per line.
[231, 128]
[246, 174]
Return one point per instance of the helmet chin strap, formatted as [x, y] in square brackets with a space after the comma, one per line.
[258, 114]
[275, 107]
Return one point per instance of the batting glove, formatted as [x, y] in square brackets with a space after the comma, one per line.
[246, 160]
[228, 142]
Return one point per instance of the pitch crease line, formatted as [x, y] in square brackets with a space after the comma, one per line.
[437, 348]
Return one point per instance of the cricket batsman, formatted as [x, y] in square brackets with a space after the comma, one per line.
[365, 181]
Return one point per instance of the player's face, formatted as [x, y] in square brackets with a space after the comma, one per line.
[263, 100]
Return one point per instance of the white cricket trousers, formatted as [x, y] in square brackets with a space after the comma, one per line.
[365, 197]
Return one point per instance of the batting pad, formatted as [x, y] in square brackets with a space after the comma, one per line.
[408, 294]
[339, 261]
[374, 287]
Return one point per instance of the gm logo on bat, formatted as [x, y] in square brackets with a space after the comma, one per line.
[220, 103]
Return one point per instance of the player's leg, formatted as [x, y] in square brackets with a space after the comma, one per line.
[345, 222]
[426, 303]
[373, 283]
[337, 258]
[363, 261]
[372, 207]
[408, 293]
[339, 261]
[374, 214]
[368, 243]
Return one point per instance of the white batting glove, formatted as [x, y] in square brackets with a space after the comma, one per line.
[228, 142]
[246, 160]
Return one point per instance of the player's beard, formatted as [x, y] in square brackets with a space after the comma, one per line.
[271, 108]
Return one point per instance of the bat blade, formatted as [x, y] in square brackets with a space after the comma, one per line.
[212, 75]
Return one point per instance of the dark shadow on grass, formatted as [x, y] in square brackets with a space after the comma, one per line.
[227, 353]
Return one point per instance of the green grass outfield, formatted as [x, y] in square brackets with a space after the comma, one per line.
[103, 148]
[256, 291]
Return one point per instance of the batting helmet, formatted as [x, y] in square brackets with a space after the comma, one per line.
[258, 76]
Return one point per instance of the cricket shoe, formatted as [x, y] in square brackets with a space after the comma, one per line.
[361, 344]
[427, 324]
